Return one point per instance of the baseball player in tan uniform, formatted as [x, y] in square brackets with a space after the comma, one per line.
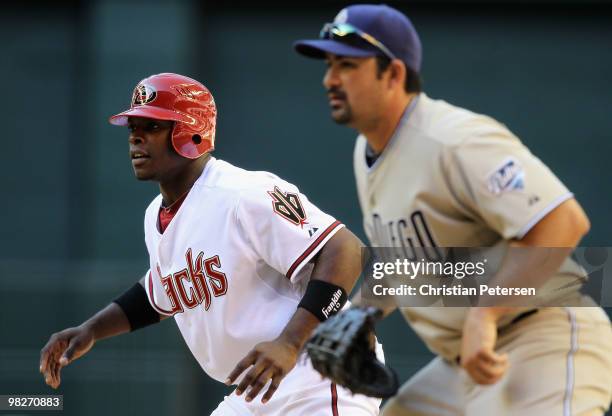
[430, 174]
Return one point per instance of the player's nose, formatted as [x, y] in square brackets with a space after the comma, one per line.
[135, 138]
[330, 79]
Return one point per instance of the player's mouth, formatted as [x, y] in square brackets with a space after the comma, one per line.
[336, 97]
[336, 100]
[139, 157]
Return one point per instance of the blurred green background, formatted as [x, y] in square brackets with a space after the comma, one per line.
[72, 231]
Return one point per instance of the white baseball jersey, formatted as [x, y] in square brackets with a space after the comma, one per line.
[233, 264]
[453, 178]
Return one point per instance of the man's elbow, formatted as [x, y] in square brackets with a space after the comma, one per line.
[344, 244]
[340, 261]
[565, 226]
[579, 221]
[585, 226]
[351, 241]
[575, 222]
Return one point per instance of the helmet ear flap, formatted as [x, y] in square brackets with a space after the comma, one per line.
[188, 143]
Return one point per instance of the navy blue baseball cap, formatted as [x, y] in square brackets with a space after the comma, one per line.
[364, 30]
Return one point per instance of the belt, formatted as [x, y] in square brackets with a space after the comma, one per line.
[522, 316]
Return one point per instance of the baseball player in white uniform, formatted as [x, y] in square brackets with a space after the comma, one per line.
[243, 261]
[430, 174]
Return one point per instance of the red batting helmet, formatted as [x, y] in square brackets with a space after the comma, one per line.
[181, 99]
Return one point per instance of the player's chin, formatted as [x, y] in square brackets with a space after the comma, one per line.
[143, 174]
[340, 115]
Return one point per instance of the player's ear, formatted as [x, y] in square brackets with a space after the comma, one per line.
[398, 74]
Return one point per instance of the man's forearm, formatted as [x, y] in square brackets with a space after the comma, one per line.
[108, 322]
[535, 258]
[112, 320]
[524, 267]
[298, 329]
[339, 265]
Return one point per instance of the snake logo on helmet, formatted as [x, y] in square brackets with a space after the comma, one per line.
[180, 99]
[143, 94]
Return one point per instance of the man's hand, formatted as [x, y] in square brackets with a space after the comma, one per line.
[62, 348]
[270, 360]
[66, 346]
[478, 356]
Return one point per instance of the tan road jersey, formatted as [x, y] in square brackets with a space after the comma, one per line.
[452, 178]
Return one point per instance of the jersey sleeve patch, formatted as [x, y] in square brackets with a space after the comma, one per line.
[298, 234]
[288, 206]
[509, 176]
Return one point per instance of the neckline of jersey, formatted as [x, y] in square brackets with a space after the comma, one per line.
[394, 137]
[203, 176]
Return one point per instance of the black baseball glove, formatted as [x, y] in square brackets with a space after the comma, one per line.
[342, 349]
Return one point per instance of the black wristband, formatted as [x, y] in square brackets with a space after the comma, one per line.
[323, 299]
[137, 308]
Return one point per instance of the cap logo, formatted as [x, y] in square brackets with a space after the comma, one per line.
[143, 94]
[341, 17]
